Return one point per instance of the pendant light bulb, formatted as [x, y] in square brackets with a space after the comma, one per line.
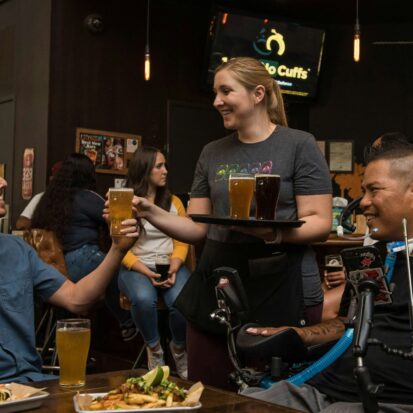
[147, 64]
[356, 46]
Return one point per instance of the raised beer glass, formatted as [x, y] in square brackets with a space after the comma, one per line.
[267, 190]
[72, 342]
[241, 191]
[120, 208]
[333, 263]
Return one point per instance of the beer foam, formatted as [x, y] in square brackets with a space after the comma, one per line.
[121, 189]
[241, 177]
[265, 175]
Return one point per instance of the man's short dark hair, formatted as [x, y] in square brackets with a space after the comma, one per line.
[386, 142]
[401, 162]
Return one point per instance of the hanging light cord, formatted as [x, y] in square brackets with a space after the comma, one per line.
[357, 28]
[147, 26]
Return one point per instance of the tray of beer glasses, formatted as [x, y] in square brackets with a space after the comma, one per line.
[247, 222]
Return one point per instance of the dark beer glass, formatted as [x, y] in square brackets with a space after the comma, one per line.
[162, 262]
[267, 190]
[333, 263]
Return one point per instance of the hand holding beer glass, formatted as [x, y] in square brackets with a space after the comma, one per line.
[267, 190]
[162, 263]
[120, 208]
[241, 191]
[72, 342]
[334, 273]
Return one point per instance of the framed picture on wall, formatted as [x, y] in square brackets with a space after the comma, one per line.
[110, 152]
[2, 170]
[340, 156]
[322, 146]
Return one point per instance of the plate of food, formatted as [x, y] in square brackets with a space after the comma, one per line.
[152, 392]
[15, 397]
[250, 222]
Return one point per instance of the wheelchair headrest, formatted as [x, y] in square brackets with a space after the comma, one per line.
[230, 289]
[286, 344]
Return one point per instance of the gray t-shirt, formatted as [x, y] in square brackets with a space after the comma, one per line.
[290, 153]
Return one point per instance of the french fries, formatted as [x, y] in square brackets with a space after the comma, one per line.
[136, 394]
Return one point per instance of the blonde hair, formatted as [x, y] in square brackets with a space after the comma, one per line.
[251, 73]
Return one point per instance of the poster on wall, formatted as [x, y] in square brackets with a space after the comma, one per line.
[340, 156]
[110, 152]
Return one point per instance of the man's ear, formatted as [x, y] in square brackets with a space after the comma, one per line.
[409, 193]
[259, 93]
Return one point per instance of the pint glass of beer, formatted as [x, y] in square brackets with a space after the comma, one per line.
[333, 263]
[120, 208]
[241, 190]
[162, 263]
[72, 342]
[267, 189]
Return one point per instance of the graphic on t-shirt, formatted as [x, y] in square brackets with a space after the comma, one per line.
[223, 171]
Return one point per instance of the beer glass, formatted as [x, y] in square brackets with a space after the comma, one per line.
[72, 343]
[267, 189]
[120, 208]
[241, 190]
[333, 263]
[162, 262]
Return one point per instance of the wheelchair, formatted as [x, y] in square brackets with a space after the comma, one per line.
[282, 356]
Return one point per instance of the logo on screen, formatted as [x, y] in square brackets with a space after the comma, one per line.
[265, 45]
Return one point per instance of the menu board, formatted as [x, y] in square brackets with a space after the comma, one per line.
[110, 152]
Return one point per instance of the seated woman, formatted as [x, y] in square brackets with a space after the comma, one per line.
[72, 209]
[147, 176]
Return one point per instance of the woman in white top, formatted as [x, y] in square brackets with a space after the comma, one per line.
[139, 281]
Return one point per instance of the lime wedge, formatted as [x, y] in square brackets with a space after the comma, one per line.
[156, 376]
[166, 372]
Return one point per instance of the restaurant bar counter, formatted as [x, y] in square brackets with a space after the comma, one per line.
[213, 400]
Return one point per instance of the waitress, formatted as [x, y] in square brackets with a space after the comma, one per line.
[277, 267]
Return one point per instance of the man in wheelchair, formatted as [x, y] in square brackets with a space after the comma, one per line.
[376, 375]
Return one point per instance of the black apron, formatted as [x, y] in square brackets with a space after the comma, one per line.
[271, 276]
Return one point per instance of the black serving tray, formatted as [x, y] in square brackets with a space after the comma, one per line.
[250, 222]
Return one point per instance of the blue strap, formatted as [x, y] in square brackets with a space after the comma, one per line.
[392, 249]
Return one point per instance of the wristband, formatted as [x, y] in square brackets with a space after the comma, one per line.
[277, 239]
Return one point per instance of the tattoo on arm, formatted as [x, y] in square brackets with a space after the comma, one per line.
[322, 333]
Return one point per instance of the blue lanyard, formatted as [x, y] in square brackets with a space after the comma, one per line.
[392, 249]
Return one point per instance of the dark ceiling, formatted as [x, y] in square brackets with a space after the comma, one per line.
[331, 11]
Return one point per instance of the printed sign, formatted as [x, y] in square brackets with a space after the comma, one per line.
[110, 152]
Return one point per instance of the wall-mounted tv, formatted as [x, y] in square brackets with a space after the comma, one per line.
[291, 52]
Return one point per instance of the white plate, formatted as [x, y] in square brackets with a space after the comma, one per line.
[154, 409]
[31, 402]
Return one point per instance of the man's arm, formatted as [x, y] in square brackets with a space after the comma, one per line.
[322, 333]
[80, 296]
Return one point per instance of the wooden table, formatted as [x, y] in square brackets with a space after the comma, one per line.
[213, 400]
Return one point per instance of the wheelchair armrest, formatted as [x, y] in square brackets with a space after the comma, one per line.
[286, 344]
[318, 350]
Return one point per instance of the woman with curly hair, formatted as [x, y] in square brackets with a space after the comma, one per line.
[140, 283]
[72, 209]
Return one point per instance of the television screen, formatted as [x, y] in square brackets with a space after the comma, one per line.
[290, 52]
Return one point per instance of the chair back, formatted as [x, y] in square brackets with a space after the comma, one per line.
[47, 246]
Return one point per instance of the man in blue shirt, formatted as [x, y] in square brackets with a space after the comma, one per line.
[24, 277]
